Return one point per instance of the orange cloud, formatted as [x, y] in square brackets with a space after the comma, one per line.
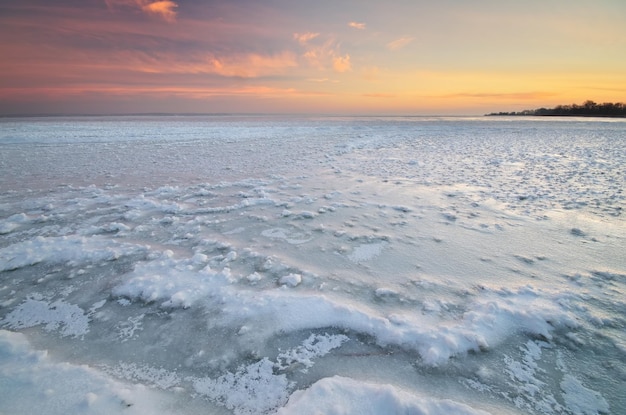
[304, 38]
[534, 95]
[164, 9]
[357, 25]
[379, 95]
[342, 63]
[400, 43]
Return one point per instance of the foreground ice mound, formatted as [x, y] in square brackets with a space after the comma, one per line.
[485, 322]
[342, 396]
[33, 383]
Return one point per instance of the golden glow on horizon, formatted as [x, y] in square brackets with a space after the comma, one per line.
[445, 58]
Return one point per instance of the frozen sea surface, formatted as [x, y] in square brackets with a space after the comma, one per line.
[260, 265]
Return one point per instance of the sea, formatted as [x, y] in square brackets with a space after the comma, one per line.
[262, 264]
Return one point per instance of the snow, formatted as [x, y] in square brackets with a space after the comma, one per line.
[62, 249]
[68, 319]
[312, 265]
[580, 400]
[250, 390]
[32, 382]
[340, 396]
[257, 388]
[367, 252]
[291, 280]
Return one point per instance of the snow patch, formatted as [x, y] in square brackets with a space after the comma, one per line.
[367, 252]
[68, 319]
[580, 400]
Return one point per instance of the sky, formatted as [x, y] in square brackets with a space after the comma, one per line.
[405, 57]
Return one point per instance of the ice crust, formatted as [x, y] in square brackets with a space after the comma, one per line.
[580, 400]
[174, 283]
[343, 266]
[34, 383]
[340, 396]
[72, 249]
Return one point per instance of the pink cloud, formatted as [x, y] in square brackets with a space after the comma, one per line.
[322, 56]
[240, 65]
[251, 65]
[357, 25]
[151, 91]
[304, 38]
[400, 43]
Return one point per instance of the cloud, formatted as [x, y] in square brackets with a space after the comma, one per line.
[319, 55]
[379, 95]
[151, 90]
[400, 43]
[304, 38]
[342, 63]
[357, 25]
[250, 65]
[135, 64]
[323, 55]
[237, 65]
[164, 9]
[504, 95]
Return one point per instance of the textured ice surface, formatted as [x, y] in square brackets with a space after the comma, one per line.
[338, 395]
[33, 382]
[331, 265]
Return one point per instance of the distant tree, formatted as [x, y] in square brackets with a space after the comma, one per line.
[588, 109]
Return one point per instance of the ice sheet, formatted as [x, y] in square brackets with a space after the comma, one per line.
[335, 265]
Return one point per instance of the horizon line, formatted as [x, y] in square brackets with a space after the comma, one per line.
[223, 114]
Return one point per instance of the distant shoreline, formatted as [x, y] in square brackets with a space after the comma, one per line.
[519, 114]
[587, 109]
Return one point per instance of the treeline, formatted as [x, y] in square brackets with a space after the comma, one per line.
[588, 109]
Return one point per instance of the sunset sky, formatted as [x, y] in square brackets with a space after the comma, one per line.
[289, 56]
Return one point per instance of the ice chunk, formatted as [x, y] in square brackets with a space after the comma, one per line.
[11, 223]
[291, 280]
